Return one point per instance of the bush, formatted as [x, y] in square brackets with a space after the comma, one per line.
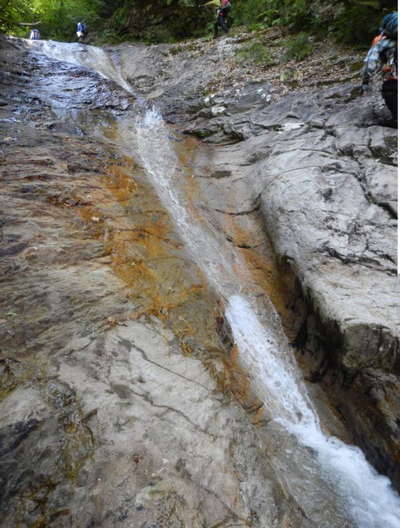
[349, 21]
[357, 23]
[253, 13]
[256, 53]
[11, 13]
[298, 48]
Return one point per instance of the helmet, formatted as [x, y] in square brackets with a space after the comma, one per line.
[389, 25]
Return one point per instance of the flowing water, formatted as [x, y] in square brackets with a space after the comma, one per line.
[369, 497]
[364, 496]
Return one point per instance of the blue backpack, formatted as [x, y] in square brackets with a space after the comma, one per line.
[389, 25]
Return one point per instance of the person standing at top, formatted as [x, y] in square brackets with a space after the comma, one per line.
[383, 55]
[222, 17]
[35, 34]
[81, 31]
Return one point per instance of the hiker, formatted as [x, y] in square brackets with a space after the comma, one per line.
[222, 17]
[383, 55]
[35, 34]
[81, 31]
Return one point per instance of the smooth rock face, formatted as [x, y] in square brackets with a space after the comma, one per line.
[118, 384]
[332, 214]
[323, 172]
[325, 177]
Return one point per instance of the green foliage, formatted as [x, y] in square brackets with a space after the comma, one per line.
[298, 48]
[254, 14]
[350, 21]
[271, 12]
[298, 14]
[59, 17]
[358, 22]
[158, 20]
[256, 53]
[14, 11]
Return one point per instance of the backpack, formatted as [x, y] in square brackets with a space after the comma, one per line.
[389, 25]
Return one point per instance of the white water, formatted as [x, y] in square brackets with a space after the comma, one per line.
[162, 165]
[368, 497]
[92, 57]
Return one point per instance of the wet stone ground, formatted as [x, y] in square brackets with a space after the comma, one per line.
[120, 383]
[118, 376]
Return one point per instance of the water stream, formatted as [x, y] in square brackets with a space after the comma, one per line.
[367, 497]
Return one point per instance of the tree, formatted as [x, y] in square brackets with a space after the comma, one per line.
[14, 11]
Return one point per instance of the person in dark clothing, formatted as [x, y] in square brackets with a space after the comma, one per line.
[383, 55]
[222, 17]
[389, 94]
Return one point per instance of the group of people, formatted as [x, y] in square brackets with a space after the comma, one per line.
[81, 32]
[383, 54]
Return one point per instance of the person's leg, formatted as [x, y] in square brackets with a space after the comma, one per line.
[216, 29]
[228, 20]
[224, 24]
[389, 94]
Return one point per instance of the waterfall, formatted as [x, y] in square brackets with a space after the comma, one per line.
[367, 496]
[91, 57]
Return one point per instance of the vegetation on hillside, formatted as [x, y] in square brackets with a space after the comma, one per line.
[13, 12]
[349, 21]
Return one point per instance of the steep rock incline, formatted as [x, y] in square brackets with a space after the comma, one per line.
[321, 167]
[116, 398]
[324, 173]
[100, 299]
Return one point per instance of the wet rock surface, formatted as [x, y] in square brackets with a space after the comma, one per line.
[318, 165]
[120, 384]
[322, 170]
[119, 388]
